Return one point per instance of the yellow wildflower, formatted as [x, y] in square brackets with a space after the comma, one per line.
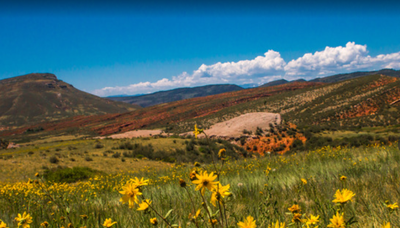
[343, 178]
[277, 225]
[140, 182]
[304, 181]
[337, 221]
[192, 175]
[195, 216]
[221, 153]
[182, 183]
[204, 181]
[144, 205]
[197, 131]
[343, 196]
[3, 224]
[108, 223]
[387, 225]
[295, 208]
[154, 221]
[130, 193]
[297, 217]
[267, 170]
[312, 220]
[392, 206]
[219, 193]
[24, 220]
[43, 224]
[248, 222]
[213, 221]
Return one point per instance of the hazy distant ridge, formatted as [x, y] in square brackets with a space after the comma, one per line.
[176, 94]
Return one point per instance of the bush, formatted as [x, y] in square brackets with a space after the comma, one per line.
[88, 159]
[259, 131]
[246, 132]
[54, 160]
[68, 175]
[99, 146]
[4, 143]
[126, 146]
[116, 155]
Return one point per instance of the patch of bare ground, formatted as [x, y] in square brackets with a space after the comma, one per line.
[249, 122]
[135, 134]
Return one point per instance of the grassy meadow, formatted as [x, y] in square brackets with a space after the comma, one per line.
[19, 164]
[264, 188]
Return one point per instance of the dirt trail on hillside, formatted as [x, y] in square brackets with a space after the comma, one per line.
[249, 121]
[135, 134]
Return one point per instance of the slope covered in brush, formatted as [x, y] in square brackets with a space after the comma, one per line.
[360, 102]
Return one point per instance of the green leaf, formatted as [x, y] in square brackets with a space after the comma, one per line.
[168, 213]
[215, 214]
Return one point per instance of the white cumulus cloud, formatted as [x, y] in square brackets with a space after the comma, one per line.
[269, 67]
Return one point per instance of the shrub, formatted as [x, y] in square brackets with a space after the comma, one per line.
[88, 159]
[68, 175]
[116, 155]
[246, 132]
[259, 131]
[99, 146]
[4, 143]
[54, 160]
[126, 146]
[30, 152]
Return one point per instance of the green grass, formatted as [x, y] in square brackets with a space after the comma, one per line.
[377, 131]
[372, 173]
[20, 164]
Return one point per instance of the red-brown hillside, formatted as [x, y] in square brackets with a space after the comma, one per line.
[164, 113]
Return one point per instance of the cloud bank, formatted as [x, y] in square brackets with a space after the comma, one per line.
[271, 66]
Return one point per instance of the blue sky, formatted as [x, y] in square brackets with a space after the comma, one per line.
[118, 47]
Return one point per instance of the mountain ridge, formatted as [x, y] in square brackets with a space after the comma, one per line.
[338, 77]
[177, 94]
